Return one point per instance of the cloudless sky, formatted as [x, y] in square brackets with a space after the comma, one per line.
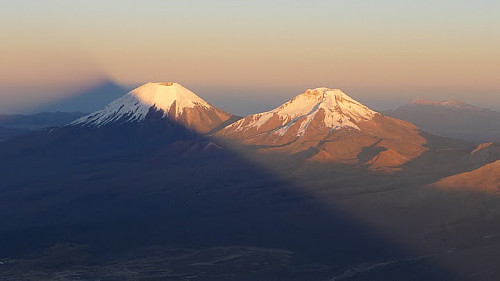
[383, 52]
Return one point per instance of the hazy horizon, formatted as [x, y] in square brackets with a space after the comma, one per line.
[241, 101]
[245, 56]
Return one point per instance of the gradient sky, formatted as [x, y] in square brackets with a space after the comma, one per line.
[383, 53]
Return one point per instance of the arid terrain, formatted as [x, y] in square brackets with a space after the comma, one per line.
[140, 190]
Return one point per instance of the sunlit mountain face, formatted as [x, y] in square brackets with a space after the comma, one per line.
[161, 185]
[326, 125]
[171, 99]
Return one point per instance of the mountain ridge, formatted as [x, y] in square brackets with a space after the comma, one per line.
[453, 118]
[452, 104]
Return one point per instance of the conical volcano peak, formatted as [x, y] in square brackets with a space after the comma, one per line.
[326, 125]
[171, 99]
[316, 109]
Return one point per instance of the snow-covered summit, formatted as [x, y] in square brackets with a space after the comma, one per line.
[175, 101]
[339, 108]
[170, 97]
[164, 95]
[332, 106]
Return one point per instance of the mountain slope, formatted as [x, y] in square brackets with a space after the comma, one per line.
[485, 179]
[7, 133]
[480, 171]
[452, 119]
[329, 126]
[171, 99]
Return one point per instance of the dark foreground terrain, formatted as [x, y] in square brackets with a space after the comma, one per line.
[92, 207]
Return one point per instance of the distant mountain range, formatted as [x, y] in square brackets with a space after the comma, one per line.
[39, 120]
[19, 124]
[451, 119]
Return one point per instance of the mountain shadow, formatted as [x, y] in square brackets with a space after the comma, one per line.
[87, 100]
[157, 200]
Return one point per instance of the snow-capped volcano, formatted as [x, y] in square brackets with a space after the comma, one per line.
[323, 108]
[328, 125]
[172, 100]
[450, 104]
